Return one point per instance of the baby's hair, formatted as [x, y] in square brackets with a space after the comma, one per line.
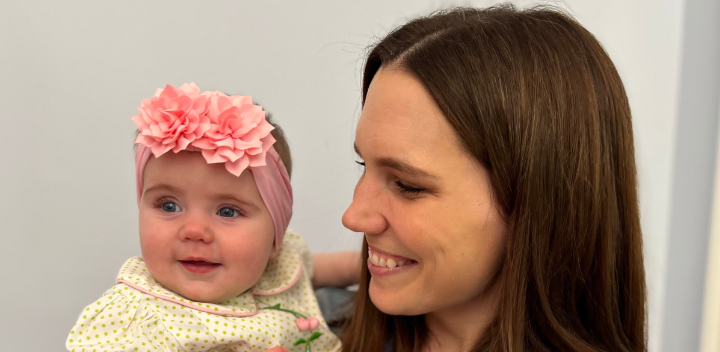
[281, 145]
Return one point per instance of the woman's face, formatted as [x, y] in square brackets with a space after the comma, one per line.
[435, 236]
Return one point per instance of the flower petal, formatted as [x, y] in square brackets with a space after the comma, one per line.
[237, 167]
[226, 129]
[302, 324]
[212, 156]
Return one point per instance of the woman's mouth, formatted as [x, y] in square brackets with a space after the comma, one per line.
[381, 263]
[198, 265]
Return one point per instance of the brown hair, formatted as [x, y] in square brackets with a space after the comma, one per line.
[281, 145]
[533, 96]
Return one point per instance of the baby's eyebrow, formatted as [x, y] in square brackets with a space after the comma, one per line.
[162, 186]
[233, 197]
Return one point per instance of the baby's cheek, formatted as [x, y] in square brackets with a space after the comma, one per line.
[153, 244]
[156, 250]
[249, 264]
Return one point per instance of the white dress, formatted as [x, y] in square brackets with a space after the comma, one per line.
[139, 314]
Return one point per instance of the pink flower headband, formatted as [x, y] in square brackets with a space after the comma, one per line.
[226, 129]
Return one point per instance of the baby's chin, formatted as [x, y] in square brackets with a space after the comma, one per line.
[207, 293]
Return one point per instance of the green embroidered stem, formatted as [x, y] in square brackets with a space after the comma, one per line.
[294, 313]
[307, 342]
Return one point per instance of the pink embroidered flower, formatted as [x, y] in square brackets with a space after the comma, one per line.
[172, 119]
[239, 135]
[308, 324]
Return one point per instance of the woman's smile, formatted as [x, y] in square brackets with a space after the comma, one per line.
[381, 263]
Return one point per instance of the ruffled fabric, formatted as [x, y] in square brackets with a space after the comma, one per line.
[172, 119]
[239, 135]
[134, 274]
[226, 129]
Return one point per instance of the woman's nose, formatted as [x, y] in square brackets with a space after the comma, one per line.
[365, 212]
[196, 228]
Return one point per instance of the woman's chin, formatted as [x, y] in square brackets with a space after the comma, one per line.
[394, 303]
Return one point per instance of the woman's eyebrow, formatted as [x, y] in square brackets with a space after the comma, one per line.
[404, 167]
[401, 166]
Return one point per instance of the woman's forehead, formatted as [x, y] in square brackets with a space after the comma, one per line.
[400, 115]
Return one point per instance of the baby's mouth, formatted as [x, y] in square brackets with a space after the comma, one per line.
[199, 265]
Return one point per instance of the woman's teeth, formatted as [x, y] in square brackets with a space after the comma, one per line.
[385, 263]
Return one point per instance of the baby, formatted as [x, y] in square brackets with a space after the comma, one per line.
[219, 269]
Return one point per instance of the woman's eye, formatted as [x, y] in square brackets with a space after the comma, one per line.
[171, 207]
[407, 189]
[361, 163]
[228, 212]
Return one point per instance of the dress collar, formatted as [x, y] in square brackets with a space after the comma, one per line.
[281, 273]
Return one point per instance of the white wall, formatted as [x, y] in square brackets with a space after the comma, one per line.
[73, 74]
[693, 169]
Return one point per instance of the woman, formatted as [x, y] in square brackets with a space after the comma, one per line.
[499, 200]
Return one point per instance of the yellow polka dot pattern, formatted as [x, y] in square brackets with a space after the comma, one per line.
[134, 273]
[285, 267]
[127, 319]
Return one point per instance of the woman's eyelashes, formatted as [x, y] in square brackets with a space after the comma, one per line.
[403, 188]
[407, 189]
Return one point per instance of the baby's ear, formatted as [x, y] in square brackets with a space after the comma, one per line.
[274, 252]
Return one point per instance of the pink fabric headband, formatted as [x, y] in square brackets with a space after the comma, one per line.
[226, 129]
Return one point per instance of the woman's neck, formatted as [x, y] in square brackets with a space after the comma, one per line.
[458, 328]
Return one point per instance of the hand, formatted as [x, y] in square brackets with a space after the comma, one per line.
[277, 349]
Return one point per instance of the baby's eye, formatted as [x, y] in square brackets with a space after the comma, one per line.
[171, 207]
[228, 212]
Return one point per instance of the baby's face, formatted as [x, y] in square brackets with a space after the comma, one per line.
[204, 233]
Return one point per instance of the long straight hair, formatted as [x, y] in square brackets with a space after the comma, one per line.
[536, 100]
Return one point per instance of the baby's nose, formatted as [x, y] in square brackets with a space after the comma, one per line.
[196, 229]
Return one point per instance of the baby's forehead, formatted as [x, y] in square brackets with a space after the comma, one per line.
[188, 172]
